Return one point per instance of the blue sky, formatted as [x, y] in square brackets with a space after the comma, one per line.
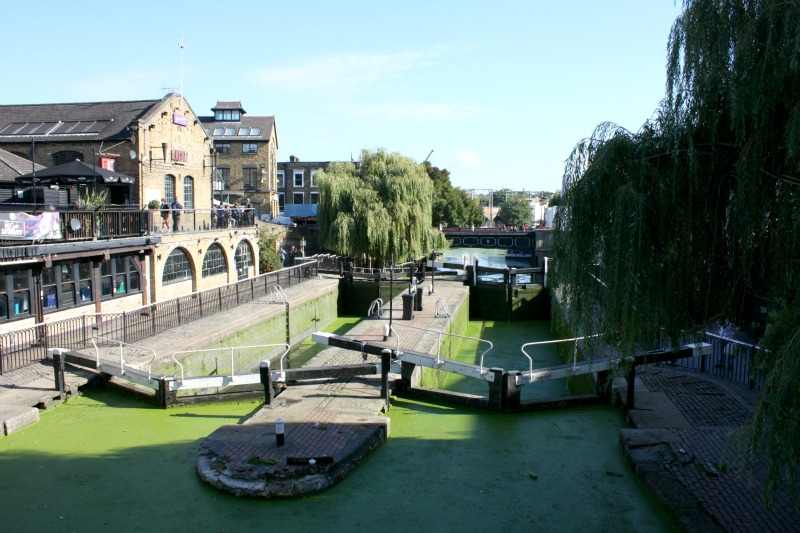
[501, 91]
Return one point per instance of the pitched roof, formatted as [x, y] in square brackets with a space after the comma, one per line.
[70, 121]
[12, 165]
[265, 126]
[227, 104]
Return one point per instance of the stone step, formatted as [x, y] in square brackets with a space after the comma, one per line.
[15, 417]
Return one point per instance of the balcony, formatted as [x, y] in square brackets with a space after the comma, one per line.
[26, 224]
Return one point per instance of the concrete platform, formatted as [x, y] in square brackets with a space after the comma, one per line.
[334, 423]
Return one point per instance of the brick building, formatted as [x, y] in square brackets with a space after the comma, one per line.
[245, 154]
[159, 143]
[297, 182]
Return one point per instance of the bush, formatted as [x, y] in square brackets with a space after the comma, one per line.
[268, 258]
[153, 204]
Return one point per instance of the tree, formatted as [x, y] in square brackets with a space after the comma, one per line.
[451, 205]
[555, 199]
[268, 258]
[696, 217]
[379, 209]
[515, 211]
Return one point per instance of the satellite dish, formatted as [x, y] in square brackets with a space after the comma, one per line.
[132, 153]
[74, 224]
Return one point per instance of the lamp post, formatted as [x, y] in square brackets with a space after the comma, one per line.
[391, 296]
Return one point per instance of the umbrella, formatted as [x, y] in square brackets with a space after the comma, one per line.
[72, 173]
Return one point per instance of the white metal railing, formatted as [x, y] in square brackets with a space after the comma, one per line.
[576, 340]
[441, 310]
[375, 309]
[231, 350]
[441, 333]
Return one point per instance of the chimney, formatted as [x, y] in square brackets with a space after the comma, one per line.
[293, 159]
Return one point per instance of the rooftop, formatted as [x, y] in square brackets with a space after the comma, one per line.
[78, 121]
[12, 165]
[228, 104]
[247, 128]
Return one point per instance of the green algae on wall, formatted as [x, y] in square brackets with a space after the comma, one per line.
[304, 318]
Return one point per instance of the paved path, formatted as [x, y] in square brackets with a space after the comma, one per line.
[336, 424]
[690, 446]
[24, 391]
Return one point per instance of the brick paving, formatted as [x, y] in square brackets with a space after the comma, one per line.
[706, 468]
[334, 423]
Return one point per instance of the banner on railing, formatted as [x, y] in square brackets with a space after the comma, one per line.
[22, 226]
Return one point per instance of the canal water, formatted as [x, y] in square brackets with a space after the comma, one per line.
[487, 257]
[106, 461]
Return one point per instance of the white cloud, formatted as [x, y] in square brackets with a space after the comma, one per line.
[417, 111]
[468, 158]
[348, 68]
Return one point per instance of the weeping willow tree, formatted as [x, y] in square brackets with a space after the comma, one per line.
[695, 218]
[380, 208]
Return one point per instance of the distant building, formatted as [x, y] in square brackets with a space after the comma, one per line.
[298, 185]
[245, 156]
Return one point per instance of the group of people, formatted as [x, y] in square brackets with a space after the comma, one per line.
[221, 216]
[166, 209]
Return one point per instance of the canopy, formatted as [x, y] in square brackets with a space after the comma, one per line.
[72, 173]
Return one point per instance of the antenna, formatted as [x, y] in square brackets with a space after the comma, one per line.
[181, 46]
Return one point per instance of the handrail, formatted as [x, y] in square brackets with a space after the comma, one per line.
[231, 349]
[376, 308]
[122, 360]
[556, 341]
[734, 341]
[441, 332]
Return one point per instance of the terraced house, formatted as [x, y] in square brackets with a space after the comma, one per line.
[69, 260]
[245, 156]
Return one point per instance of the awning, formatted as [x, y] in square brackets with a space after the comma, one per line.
[73, 173]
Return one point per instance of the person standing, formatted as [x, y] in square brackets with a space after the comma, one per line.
[176, 215]
[164, 215]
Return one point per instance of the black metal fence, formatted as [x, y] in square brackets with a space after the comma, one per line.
[730, 359]
[25, 346]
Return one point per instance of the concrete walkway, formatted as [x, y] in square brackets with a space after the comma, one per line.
[689, 445]
[23, 392]
[335, 424]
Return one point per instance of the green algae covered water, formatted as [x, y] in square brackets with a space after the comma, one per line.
[108, 462]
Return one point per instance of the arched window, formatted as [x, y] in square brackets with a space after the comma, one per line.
[188, 192]
[243, 259]
[169, 188]
[214, 261]
[65, 156]
[177, 268]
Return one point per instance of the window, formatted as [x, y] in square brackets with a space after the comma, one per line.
[255, 131]
[244, 132]
[230, 131]
[314, 197]
[250, 177]
[119, 276]
[224, 176]
[214, 261]
[227, 114]
[314, 177]
[64, 156]
[298, 177]
[281, 200]
[169, 188]
[15, 294]
[66, 285]
[219, 131]
[297, 198]
[177, 268]
[249, 148]
[281, 183]
[223, 148]
[188, 192]
[243, 259]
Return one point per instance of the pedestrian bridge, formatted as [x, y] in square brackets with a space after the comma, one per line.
[523, 241]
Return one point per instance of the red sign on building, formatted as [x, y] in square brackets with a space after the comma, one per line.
[180, 156]
[107, 163]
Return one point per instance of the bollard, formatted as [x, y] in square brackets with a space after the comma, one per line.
[386, 363]
[511, 392]
[631, 388]
[266, 380]
[280, 432]
[58, 370]
[418, 299]
[408, 306]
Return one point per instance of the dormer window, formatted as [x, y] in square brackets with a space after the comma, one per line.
[227, 114]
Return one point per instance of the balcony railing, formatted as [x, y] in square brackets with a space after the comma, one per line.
[115, 223]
